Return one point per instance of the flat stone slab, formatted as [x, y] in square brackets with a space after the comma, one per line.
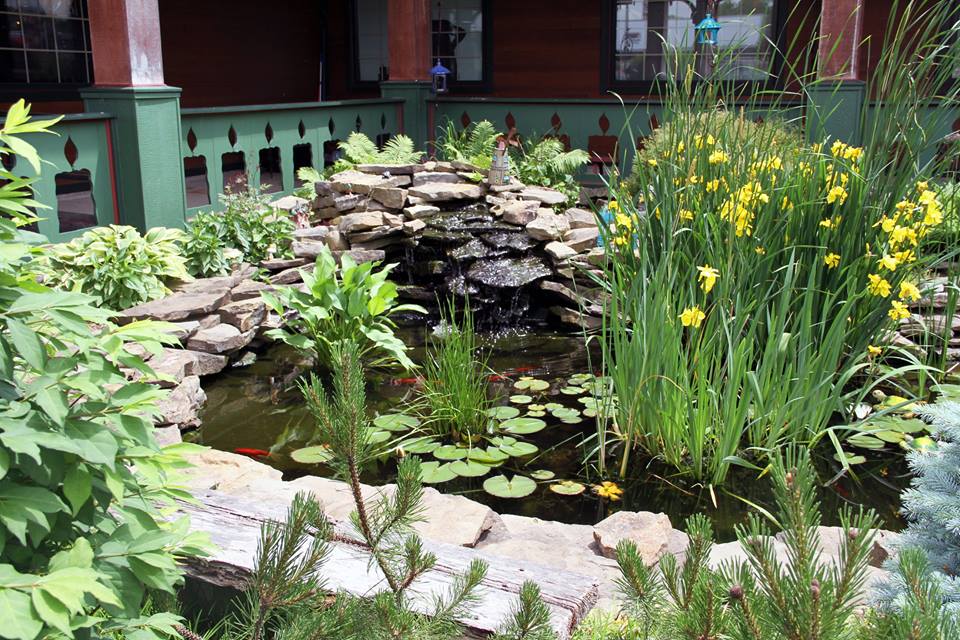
[227, 471]
[287, 276]
[216, 284]
[392, 169]
[291, 203]
[360, 221]
[649, 531]
[182, 406]
[308, 249]
[517, 212]
[419, 211]
[250, 289]
[312, 233]
[580, 218]
[181, 363]
[279, 264]
[222, 338]
[443, 192]
[361, 255]
[178, 306]
[544, 195]
[352, 181]
[244, 314]
[582, 239]
[548, 226]
[390, 197]
[425, 177]
[559, 251]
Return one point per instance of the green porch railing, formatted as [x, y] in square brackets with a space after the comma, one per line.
[76, 182]
[225, 142]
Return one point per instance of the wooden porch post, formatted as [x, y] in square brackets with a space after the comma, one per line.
[408, 24]
[128, 83]
[841, 32]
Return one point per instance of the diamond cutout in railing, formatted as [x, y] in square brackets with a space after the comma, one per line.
[331, 127]
[465, 119]
[604, 123]
[383, 121]
[555, 121]
[510, 121]
[232, 136]
[191, 140]
[359, 124]
[70, 151]
[301, 129]
[268, 132]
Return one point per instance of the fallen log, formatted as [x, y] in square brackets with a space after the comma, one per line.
[233, 525]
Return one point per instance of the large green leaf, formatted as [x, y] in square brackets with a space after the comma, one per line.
[20, 621]
[522, 426]
[515, 487]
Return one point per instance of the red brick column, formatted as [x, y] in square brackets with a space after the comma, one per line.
[841, 32]
[409, 39]
[125, 35]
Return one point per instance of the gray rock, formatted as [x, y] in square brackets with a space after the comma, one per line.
[217, 284]
[293, 204]
[346, 202]
[312, 233]
[360, 221]
[575, 318]
[323, 188]
[250, 289]
[351, 181]
[435, 176]
[548, 227]
[165, 436]
[419, 211]
[361, 255]
[580, 218]
[336, 241]
[178, 306]
[244, 314]
[308, 249]
[544, 195]
[559, 251]
[466, 167]
[443, 192]
[327, 213]
[287, 276]
[733, 552]
[279, 264]
[224, 471]
[582, 239]
[181, 363]
[513, 185]
[518, 212]
[413, 227]
[390, 197]
[392, 169]
[183, 404]
[393, 220]
[222, 338]
[831, 542]
[380, 233]
[649, 531]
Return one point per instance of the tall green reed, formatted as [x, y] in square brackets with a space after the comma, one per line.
[753, 279]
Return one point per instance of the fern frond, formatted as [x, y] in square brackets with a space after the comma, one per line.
[359, 149]
[399, 150]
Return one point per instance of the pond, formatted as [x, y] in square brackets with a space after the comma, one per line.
[251, 407]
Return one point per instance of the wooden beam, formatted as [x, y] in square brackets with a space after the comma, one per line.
[234, 526]
[841, 32]
[409, 37]
[125, 38]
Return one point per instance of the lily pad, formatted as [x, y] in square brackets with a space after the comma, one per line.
[923, 443]
[895, 423]
[573, 391]
[469, 469]
[515, 487]
[449, 452]
[851, 458]
[864, 441]
[531, 384]
[568, 488]
[552, 406]
[521, 399]
[503, 413]
[434, 472]
[319, 454]
[897, 403]
[519, 449]
[425, 444]
[890, 436]
[396, 422]
[379, 436]
[949, 392]
[502, 440]
[536, 414]
[542, 474]
[523, 426]
[488, 456]
[536, 407]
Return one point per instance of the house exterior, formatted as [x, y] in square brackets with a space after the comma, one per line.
[168, 101]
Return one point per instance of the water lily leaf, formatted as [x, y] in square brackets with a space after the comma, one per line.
[433, 472]
[895, 423]
[449, 452]
[523, 426]
[319, 454]
[568, 488]
[590, 413]
[865, 441]
[532, 384]
[572, 420]
[503, 413]
[503, 487]
[469, 468]
[890, 436]
[949, 392]
[898, 402]
[519, 449]
[851, 458]
[578, 379]
[572, 391]
[542, 474]
[379, 437]
[521, 399]
[553, 406]
[396, 422]
[536, 414]
[426, 444]
[536, 407]
[488, 456]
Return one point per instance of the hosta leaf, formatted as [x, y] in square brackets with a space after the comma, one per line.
[515, 487]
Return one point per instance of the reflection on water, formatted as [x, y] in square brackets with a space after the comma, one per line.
[251, 407]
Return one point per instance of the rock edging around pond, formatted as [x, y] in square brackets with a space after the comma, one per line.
[580, 549]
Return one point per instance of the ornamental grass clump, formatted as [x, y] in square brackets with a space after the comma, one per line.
[748, 285]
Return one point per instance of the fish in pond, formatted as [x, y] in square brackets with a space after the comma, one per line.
[253, 453]
[524, 369]
[399, 382]
[496, 377]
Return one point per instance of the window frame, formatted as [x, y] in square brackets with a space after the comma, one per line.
[608, 81]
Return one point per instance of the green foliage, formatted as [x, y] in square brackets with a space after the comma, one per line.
[473, 144]
[308, 176]
[83, 483]
[116, 264]
[453, 392]
[250, 224]
[807, 598]
[353, 302]
[359, 149]
[545, 163]
[204, 251]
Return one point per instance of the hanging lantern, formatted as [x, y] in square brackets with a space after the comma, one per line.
[439, 75]
[707, 30]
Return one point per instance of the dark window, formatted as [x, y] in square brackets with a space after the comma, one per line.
[233, 166]
[372, 55]
[271, 172]
[302, 156]
[644, 37]
[195, 179]
[457, 38]
[45, 42]
[331, 152]
[75, 206]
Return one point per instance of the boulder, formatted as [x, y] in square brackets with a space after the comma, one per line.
[178, 306]
[735, 553]
[287, 276]
[250, 289]
[443, 192]
[293, 204]
[165, 436]
[413, 227]
[392, 219]
[582, 239]
[222, 338]
[217, 284]
[391, 169]
[559, 251]
[548, 226]
[543, 194]
[390, 197]
[580, 218]
[336, 241]
[352, 181]
[279, 264]
[360, 221]
[425, 177]
[308, 249]
[418, 211]
[244, 314]
[649, 531]
[361, 255]
[323, 188]
[222, 470]
[346, 202]
[182, 405]
[327, 213]
[182, 363]
[312, 233]
[831, 542]
[183, 330]
[518, 212]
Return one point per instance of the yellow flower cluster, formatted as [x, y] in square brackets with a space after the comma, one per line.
[740, 208]
[845, 151]
[692, 317]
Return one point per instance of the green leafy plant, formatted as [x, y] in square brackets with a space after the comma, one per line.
[307, 176]
[204, 251]
[251, 225]
[116, 264]
[85, 491]
[352, 302]
[545, 163]
[473, 144]
[359, 149]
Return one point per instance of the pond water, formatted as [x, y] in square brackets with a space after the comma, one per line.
[252, 407]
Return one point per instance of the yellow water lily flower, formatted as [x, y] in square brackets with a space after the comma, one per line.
[909, 291]
[692, 317]
[681, 147]
[898, 311]
[608, 490]
[878, 286]
[832, 260]
[707, 277]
